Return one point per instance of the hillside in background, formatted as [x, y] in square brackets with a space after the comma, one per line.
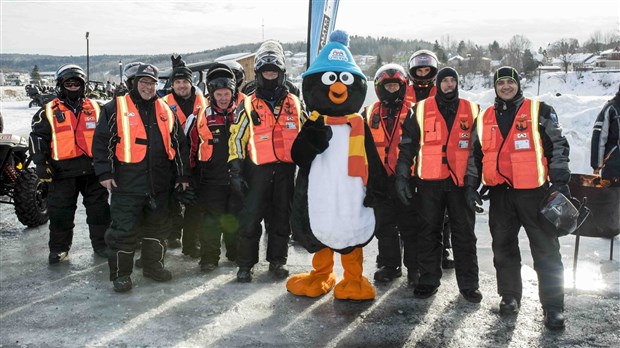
[102, 65]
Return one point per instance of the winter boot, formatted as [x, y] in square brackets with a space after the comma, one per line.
[386, 274]
[121, 265]
[354, 286]
[153, 253]
[57, 256]
[122, 284]
[319, 281]
[278, 270]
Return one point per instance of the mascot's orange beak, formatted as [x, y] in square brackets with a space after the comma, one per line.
[338, 93]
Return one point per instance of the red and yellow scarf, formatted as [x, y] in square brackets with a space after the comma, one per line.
[358, 162]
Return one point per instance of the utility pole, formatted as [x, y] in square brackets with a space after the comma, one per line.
[87, 60]
[120, 71]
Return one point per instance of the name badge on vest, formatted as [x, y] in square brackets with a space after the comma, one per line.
[522, 144]
[290, 125]
[463, 144]
[91, 125]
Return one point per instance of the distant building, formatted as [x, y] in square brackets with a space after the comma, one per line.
[609, 59]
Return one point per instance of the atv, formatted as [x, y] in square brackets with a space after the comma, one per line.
[38, 98]
[20, 185]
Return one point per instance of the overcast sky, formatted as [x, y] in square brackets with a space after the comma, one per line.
[149, 27]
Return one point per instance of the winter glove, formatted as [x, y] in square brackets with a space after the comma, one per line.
[474, 202]
[187, 196]
[45, 172]
[238, 184]
[561, 188]
[318, 135]
[403, 191]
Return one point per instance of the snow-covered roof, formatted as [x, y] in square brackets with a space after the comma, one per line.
[457, 57]
[233, 56]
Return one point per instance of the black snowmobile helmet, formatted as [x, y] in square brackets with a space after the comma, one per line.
[421, 59]
[220, 76]
[561, 212]
[69, 72]
[391, 73]
[129, 73]
[270, 57]
[238, 70]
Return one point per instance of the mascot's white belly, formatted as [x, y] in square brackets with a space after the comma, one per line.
[338, 217]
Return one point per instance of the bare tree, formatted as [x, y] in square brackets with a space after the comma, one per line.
[514, 51]
[563, 49]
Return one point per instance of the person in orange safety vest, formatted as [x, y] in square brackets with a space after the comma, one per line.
[187, 102]
[261, 168]
[140, 155]
[518, 150]
[438, 138]
[395, 222]
[217, 206]
[61, 147]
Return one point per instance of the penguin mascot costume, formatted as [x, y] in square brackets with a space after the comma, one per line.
[338, 178]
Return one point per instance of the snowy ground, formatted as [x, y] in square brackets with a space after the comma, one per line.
[72, 304]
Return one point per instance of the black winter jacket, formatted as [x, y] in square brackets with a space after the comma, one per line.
[156, 172]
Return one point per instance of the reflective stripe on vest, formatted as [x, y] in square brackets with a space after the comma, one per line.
[73, 137]
[200, 103]
[133, 139]
[520, 160]
[271, 140]
[205, 146]
[444, 153]
[380, 134]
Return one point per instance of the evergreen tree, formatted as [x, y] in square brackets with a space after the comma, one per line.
[439, 52]
[35, 76]
[461, 49]
[529, 63]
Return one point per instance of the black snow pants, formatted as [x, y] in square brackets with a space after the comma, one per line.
[61, 205]
[214, 217]
[135, 216]
[510, 209]
[433, 197]
[396, 223]
[270, 194]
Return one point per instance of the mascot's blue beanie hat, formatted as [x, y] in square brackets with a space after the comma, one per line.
[335, 56]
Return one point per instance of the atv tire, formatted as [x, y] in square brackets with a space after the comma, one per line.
[30, 196]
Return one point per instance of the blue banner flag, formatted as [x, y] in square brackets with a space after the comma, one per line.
[321, 21]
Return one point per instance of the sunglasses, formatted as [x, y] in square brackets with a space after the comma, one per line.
[72, 84]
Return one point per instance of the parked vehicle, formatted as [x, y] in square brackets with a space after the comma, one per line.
[20, 185]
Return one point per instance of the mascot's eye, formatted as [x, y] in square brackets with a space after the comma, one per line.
[346, 78]
[329, 78]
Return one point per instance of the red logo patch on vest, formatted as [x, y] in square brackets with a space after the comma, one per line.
[464, 124]
[521, 125]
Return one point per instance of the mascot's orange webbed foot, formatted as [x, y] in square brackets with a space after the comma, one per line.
[354, 286]
[318, 282]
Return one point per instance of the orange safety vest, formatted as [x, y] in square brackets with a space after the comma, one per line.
[444, 153]
[131, 129]
[386, 140]
[410, 94]
[240, 98]
[271, 140]
[520, 161]
[205, 145]
[72, 136]
[200, 103]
